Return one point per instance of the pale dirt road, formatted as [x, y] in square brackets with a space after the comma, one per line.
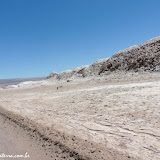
[14, 141]
[115, 118]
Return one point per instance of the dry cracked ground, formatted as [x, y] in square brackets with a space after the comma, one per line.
[116, 117]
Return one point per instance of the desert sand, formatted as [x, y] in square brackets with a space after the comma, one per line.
[15, 141]
[112, 117]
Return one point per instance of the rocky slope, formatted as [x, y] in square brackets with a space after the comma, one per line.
[138, 58]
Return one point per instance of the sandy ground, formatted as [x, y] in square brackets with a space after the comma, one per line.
[15, 141]
[116, 117]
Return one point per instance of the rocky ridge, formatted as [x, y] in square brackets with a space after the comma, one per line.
[139, 58]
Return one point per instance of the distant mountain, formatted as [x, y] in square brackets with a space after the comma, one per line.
[6, 82]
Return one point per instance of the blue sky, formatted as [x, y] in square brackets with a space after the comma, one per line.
[41, 36]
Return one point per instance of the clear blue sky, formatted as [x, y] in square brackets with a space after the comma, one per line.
[41, 36]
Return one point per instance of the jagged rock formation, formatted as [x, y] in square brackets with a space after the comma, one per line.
[53, 74]
[142, 57]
